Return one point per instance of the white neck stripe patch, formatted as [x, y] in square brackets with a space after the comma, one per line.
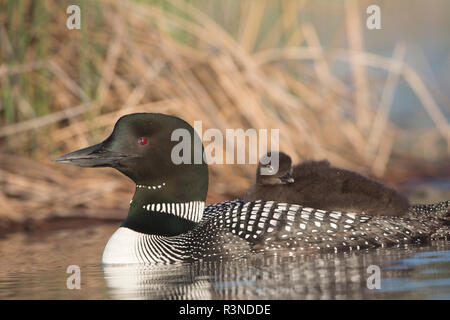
[192, 210]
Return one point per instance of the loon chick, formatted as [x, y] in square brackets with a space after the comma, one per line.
[316, 184]
[167, 221]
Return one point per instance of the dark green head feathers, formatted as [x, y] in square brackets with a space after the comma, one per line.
[142, 146]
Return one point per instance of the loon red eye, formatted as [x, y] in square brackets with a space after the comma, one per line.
[142, 141]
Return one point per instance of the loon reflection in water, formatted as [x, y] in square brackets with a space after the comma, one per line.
[281, 276]
[166, 222]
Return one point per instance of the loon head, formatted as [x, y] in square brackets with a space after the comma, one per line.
[269, 174]
[157, 152]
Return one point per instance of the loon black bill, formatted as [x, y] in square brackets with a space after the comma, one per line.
[93, 156]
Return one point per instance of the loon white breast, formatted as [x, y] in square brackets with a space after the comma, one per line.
[168, 222]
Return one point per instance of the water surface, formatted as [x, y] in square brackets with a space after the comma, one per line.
[33, 266]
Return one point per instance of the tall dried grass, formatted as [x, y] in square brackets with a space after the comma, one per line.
[61, 90]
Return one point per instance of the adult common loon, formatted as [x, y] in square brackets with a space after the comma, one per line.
[317, 184]
[166, 222]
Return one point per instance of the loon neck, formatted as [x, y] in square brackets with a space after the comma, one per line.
[154, 210]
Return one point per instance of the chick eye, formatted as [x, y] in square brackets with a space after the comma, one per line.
[142, 141]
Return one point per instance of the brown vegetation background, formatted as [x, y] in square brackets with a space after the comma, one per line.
[235, 64]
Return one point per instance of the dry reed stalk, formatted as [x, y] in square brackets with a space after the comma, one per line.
[109, 66]
[286, 21]
[380, 162]
[382, 116]
[249, 28]
[355, 39]
[321, 66]
[68, 82]
[44, 120]
[23, 105]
